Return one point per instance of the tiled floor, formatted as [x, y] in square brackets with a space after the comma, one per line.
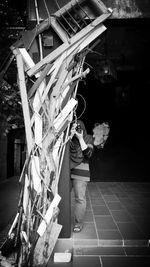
[116, 230]
[117, 215]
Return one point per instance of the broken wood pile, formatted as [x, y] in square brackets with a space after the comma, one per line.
[48, 107]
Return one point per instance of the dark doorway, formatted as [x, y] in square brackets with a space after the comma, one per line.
[124, 104]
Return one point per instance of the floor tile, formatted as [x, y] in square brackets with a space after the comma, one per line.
[124, 261]
[63, 245]
[78, 261]
[110, 238]
[116, 230]
[88, 232]
[100, 210]
[115, 205]
[137, 251]
[121, 216]
[130, 231]
[88, 216]
[132, 235]
[85, 242]
[105, 191]
[110, 197]
[105, 222]
[97, 201]
[99, 251]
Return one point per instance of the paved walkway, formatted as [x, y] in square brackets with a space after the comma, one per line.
[116, 230]
[117, 215]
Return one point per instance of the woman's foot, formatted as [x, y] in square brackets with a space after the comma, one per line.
[77, 227]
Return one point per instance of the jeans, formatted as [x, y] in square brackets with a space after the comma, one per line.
[79, 188]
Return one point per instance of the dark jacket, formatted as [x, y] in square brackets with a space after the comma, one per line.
[79, 160]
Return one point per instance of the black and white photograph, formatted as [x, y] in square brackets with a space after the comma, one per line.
[74, 133]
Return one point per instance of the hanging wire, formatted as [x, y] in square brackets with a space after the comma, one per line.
[84, 108]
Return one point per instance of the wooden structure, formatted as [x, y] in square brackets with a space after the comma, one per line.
[48, 93]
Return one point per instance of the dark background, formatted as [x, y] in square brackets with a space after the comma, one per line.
[125, 105]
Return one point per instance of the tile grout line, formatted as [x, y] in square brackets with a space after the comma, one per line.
[101, 262]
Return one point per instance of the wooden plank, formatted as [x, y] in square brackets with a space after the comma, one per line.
[80, 35]
[61, 79]
[49, 214]
[40, 96]
[46, 244]
[37, 97]
[33, 89]
[91, 36]
[62, 35]
[99, 4]
[57, 67]
[24, 100]
[64, 113]
[29, 63]
[73, 50]
[38, 129]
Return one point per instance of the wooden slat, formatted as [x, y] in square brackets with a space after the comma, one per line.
[61, 78]
[37, 97]
[73, 3]
[45, 244]
[39, 80]
[91, 36]
[57, 67]
[64, 113]
[24, 100]
[45, 90]
[29, 63]
[63, 36]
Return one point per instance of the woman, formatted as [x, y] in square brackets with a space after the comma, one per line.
[81, 149]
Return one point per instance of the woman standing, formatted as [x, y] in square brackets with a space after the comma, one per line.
[81, 149]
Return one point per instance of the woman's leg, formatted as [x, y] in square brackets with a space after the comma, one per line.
[80, 199]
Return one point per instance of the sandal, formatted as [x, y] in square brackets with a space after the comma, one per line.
[77, 228]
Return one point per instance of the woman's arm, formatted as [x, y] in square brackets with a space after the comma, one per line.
[87, 149]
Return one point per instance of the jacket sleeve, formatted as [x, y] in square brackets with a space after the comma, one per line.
[87, 153]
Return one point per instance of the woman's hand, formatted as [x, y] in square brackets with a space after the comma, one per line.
[79, 135]
[75, 130]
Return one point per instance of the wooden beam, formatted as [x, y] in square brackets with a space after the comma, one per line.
[91, 36]
[24, 99]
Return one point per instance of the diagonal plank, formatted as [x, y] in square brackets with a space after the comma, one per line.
[24, 100]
